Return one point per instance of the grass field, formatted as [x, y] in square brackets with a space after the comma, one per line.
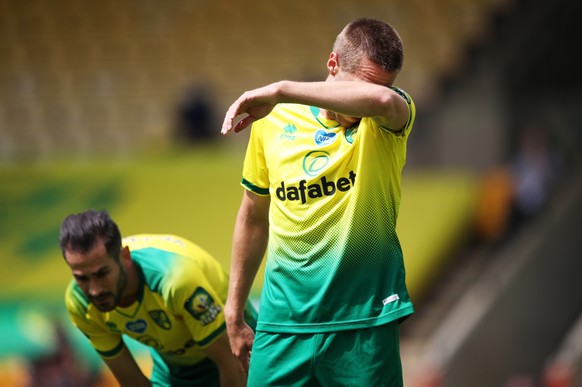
[194, 193]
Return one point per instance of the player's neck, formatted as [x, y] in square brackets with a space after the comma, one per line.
[131, 288]
[327, 114]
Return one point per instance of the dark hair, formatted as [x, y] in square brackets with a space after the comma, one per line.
[80, 232]
[369, 38]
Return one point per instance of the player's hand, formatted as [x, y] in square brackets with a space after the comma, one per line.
[241, 338]
[252, 106]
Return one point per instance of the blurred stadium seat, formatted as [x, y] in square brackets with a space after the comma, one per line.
[76, 75]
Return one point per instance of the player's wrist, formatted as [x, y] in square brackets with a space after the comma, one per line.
[233, 315]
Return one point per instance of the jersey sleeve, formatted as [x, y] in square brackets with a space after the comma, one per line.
[198, 295]
[107, 344]
[411, 109]
[255, 174]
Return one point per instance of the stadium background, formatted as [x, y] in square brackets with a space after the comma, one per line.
[90, 97]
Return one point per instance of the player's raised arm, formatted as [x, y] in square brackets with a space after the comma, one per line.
[254, 105]
[340, 99]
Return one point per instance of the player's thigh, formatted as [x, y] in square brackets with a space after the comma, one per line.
[362, 357]
[281, 360]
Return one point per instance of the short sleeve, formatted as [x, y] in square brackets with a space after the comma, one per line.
[198, 296]
[255, 174]
[105, 342]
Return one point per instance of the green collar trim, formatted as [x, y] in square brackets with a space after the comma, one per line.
[315, 112]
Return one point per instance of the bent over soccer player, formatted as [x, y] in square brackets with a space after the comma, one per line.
[322, 190]
[162, 290]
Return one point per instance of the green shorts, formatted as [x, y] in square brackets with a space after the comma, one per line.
[203, 374]
[361, 357]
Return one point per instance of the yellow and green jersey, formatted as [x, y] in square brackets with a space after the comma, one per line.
[179, 310]
[334, 260]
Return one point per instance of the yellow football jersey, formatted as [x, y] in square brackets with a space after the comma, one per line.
[179, 310]
[334, 260]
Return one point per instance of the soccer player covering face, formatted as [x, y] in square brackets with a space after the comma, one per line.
[162, 290]
[321, 181]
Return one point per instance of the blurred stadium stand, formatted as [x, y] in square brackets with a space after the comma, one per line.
[516, 316]
[504, 312]
[564, 367]
[82, 78]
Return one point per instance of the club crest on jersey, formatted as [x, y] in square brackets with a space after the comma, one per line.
[323, 138]
[161, 318]
[202, 307]
[138, 326]
[113, 328]
[315, 162]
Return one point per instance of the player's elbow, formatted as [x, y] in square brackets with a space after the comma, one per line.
[388, 102]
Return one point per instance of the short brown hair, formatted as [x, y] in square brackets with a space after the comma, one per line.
[80, 232]
[369, 38]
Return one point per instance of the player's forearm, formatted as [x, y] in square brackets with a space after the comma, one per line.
[248, 248]
[231, 372]
[233, 377]
[249, 244]
[352, 98]
[126, 370]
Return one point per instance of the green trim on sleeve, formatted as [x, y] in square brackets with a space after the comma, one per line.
[113, 352]
[408, 100]
[213, 336]
[402, 93]
[253, 188]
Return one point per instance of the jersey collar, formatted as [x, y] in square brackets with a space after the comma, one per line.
[315, 111]
[131, 311]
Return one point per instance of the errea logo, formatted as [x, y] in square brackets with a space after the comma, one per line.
[289, 132]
